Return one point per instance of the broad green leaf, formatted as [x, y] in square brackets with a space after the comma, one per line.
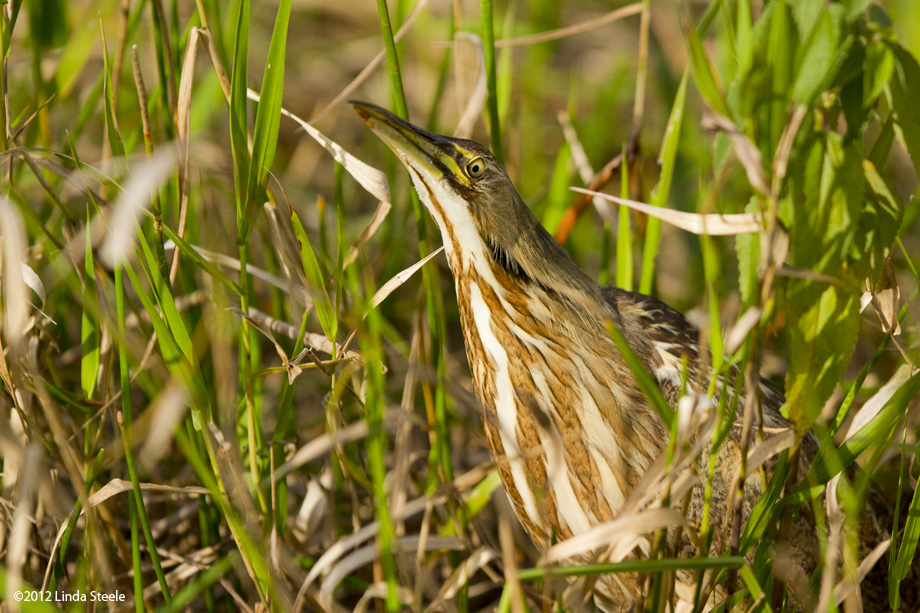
[89, 331]
[878, 70]
[239, 142]
[705, 76]
[823, 322]
[823, 53]
[905, 94]
[782, 44]
[268, 122]
[324, 308]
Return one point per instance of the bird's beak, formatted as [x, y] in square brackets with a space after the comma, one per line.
[420, 149]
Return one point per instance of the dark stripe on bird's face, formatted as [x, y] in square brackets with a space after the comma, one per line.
[439, 156]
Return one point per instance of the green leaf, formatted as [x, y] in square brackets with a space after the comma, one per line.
[824, 320]
[111, 128]
[268, 121]
[89, 329]
[239, 142]
[877, 72]
[905, 94]
[822, 55]
[909, 539]
[705, 76]
[659, 195]
[747, 247]
[324, 309]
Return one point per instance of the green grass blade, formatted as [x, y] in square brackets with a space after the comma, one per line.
[268, 122]
[324, 309]
[239, 131]
[488, 46]
[660, 194]
[89, 333]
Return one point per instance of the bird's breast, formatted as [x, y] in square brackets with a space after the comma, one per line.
[559, 428]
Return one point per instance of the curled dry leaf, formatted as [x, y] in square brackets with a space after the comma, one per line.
[117, 486]
[462, 574]
[747, 152]
[383, 209]
[369, 553]
[542, 37]
[711, 224]
[367, 176]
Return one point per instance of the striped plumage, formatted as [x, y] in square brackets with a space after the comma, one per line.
[572, 433]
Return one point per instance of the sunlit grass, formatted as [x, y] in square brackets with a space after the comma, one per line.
[326, 452]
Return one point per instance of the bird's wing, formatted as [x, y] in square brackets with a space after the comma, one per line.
[662, 338]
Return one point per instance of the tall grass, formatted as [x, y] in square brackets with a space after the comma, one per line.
[205, 405]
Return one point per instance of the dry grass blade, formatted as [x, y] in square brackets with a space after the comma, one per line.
[876, 403]
[166, 411]
[373, 64]
[379, 591]
[710, 224]
[473, 109]
[461, 575]
[620, 535]
[146, 177]
[620, 13]
[117, 486]
[21, 529]
[366, 175]
[295, 291]
[582, 163]
[369, 553]
[748, 154]
[317, 341]
[380, 214]
[320, 446]
[15, 290]
[399, 278]
[739, 332]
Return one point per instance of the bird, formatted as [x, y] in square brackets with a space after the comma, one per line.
[572, 431]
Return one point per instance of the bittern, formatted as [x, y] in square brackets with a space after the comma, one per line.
[569, 425]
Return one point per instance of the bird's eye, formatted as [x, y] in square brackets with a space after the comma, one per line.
[475, 168]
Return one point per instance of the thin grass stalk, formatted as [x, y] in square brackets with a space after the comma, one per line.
[376, 446]
[245, 369]
[440, 455]
[91, 474]
[125, 424]
[488, 46]
[165, 68]
[443, 71]
[137, 577]
[624, 230]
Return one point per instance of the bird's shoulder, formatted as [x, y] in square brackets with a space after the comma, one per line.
[664, 340]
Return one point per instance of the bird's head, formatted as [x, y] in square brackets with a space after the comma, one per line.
[460, 182]
[483, 221]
